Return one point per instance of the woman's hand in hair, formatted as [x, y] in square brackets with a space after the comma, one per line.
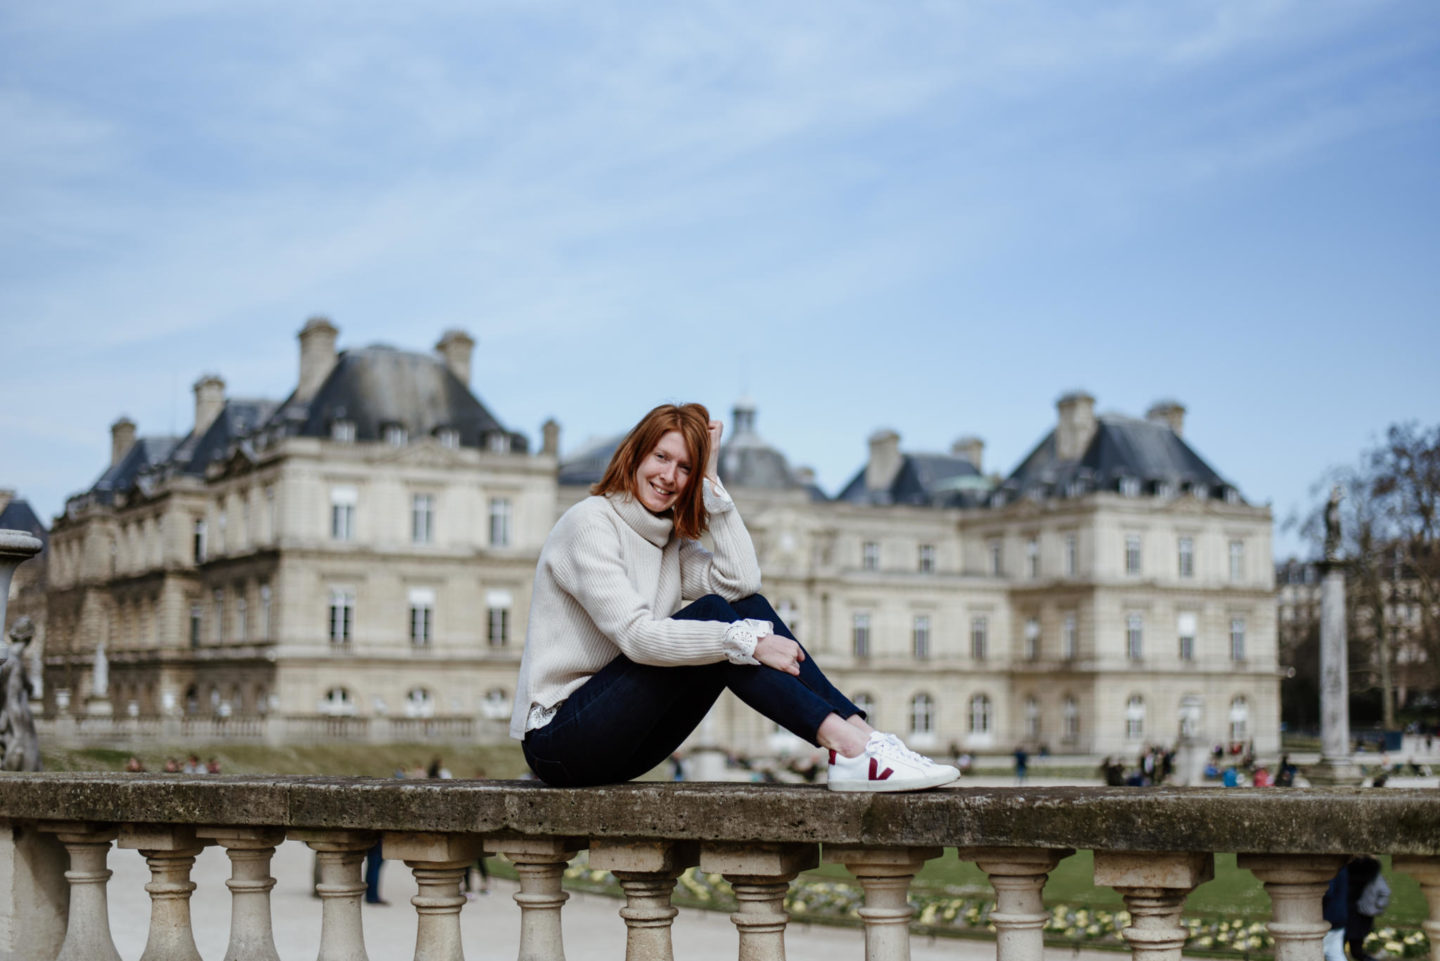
[712, 465]
[778, 652]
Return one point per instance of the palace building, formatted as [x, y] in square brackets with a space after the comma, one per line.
[355, 560]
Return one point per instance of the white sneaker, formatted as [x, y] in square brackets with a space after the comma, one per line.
[887, 764]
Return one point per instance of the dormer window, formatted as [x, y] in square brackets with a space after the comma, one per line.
[342, 431]
[1200, 492]
[1232, 496]
[1075, 488]
[1165, 490]
[448, 437]
[396, 435]
[499, 442]
[1129, 487]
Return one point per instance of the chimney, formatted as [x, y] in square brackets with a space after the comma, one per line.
[550, 438]
[209, 401]
[1170, 413]
[454, 348]
[1076, 426]
[122, 438]
[884, 459]
[972, 449]
[317, 355]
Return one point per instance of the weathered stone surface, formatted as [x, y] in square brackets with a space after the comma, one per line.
[1264, 821]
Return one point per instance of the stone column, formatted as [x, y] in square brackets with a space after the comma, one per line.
[87, 935]
[885, 874]
[1336, 766]
[540, 862]
[169, 850]
[1295, 883]
[1155, 885]
[438, 862]
[1426, 870]
[1018, 876]
[646, 871]
[760, 875]
[250, 850]
[339, 854]
[34, 893]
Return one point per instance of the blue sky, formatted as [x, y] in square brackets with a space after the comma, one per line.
[934, 217]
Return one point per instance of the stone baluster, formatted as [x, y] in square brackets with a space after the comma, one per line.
[339, 853]
[646, 871]
[1295, 883]
[169, 850]
[87, 935]
[540, 863]
[438, 862]
[885, 875]
[1018, 876]
[250, 851]
[760, 875]
[1154, 885]
[1426, 870]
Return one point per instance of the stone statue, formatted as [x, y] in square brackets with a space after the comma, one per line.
[1332, 525]
[19, 747]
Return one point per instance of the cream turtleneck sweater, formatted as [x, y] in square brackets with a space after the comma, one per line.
[609, 576]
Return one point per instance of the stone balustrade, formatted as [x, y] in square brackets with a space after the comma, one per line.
[1153, 846]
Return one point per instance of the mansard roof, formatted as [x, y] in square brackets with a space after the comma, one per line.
[236, 420]
[18, 515]
[1122, 448]
[146, 454]
[379, 386]
[935, 480]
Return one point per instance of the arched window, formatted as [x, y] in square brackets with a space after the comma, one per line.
[1032, 718]
[419, 703]
[1135, 718]
[1239, 719]
[337, 701]
[922, 714]
[982, 714]
[1070, 716]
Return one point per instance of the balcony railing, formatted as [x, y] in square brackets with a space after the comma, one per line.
[1153, 846]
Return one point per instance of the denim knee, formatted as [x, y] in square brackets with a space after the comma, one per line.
[711, 607]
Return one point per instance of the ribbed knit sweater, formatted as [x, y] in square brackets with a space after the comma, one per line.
[609, 576]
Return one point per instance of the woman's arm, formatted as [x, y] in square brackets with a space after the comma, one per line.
[733, 571]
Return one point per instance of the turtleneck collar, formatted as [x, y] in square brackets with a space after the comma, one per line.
[654, 528]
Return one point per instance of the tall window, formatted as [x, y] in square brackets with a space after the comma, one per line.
[1135, 718]
[448, 437]
[198, 541]
[1134, 636]
[1237, 560]
[342, 513]
[1239, 719]
[921, 636]
[422, 616]
[342, 614]
[860, 634]
[1070, 718]
[926, 562]
[1032, 558]
[499, 522]
[337, 702]
[1186, 556]
[1069, 636]
[1185, 629]
[422, 519]
[196, 619]
[270, 513]
[1032, 638]
[419, 702]
[497, 630]
[979, 637]
[789, 615]
[218, 599]
[222, 517]
[242, 616]
[870, 556]
[997, 567]
[266, 627]
[982, 714]
[1132, 553]
[922, 714]
[1032, 718]
[1072, 555]
[1237, 638]
[865, 702]
[343, 431]
[396, 435]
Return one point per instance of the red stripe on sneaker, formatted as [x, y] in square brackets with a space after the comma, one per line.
[874, 767]
[832, 757]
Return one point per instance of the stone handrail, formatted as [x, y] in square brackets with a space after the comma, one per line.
[1152, 845]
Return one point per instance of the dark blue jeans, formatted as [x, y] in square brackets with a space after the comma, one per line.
[629, 717]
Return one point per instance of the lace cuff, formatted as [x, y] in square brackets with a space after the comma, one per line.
[716, 497]
[741, 638]
[540, 716]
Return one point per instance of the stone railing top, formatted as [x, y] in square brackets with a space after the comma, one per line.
[1269, 820]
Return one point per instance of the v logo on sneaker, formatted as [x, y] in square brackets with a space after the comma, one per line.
[876, 774]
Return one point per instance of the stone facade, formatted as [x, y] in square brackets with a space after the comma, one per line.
[337, 564]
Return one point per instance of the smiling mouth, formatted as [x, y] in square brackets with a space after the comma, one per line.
[661, 492]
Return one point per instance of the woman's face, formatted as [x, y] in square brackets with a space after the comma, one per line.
[664, 473]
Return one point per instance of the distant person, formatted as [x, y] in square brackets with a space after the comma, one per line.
[1369, 895]
[1335, 906]
[212, 766]
[1285, 775]
[192, 765]
[1022, 764]
[1113, 772]
[677, 768]
[636, 628]
[1262, 777]
[172, 766]
[438, 770]
[1231, 777]
[133, 765]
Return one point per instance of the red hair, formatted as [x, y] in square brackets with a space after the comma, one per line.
[693, 423]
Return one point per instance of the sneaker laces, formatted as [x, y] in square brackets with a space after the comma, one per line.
[896, 746]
